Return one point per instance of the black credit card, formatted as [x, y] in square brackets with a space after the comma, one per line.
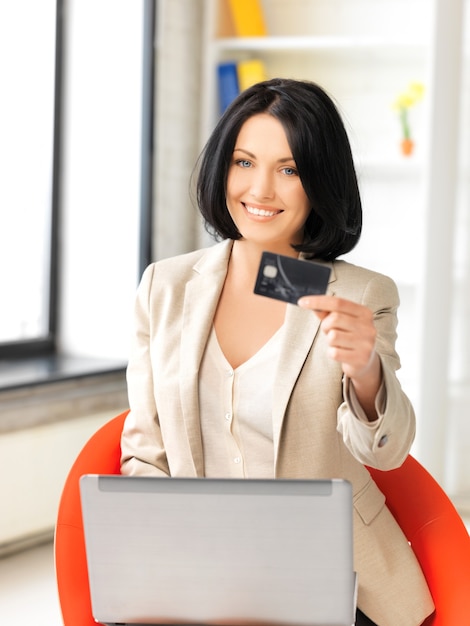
[288, 279]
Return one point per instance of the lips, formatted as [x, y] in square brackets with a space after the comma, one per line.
[261, 212]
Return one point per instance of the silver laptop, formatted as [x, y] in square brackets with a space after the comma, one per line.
[218, 552]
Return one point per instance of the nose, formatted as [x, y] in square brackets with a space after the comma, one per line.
[262, 185]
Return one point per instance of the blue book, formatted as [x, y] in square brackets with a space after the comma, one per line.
[228, 86]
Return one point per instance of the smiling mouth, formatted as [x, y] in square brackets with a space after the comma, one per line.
[261, 212]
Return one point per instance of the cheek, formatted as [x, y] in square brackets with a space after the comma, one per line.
[234, 183]
[294, 194]
[304, 205]
[232, 193]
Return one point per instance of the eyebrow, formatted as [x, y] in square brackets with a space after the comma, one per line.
[253, 156]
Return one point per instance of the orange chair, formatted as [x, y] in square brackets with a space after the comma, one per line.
[100, 455]
[437, 535]
[423, 510]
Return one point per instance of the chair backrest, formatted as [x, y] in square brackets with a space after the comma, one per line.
[423, 510]
[100, 455]
[437, 535]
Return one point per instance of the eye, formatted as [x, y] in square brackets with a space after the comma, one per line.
[243, 163]
[290, 171]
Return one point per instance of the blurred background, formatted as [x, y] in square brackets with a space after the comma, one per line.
[105, 107]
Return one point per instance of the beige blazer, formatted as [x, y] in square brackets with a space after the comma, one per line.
[317, 433]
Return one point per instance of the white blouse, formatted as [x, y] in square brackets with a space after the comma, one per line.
[236, 412]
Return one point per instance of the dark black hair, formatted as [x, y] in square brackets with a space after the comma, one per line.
[322, 153]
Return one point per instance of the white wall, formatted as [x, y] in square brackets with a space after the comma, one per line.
[38, 460]
[177, 223]
[101, 175]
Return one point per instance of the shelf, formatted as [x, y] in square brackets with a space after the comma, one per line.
[324, 43]
[380, 167]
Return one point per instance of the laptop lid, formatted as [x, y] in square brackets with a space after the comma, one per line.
[216, 551]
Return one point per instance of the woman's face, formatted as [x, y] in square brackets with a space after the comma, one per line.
[265, 197]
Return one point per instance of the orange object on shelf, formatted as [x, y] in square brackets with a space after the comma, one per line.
[248, 18]
[407, 147]
[250, 72]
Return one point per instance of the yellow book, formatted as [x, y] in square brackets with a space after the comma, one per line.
[248, 18]
[250, 72]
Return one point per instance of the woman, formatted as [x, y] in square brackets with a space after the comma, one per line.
[226, 383]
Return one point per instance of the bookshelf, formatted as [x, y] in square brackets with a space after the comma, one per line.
[363, 57]
[361, 60]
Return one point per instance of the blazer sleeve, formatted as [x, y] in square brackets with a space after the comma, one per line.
[142, 449]
[385, 443]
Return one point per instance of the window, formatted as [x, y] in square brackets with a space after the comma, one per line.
[81, 81]
[30, 34]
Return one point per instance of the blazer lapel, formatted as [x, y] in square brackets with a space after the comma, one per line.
[200, 302]
[301, 327]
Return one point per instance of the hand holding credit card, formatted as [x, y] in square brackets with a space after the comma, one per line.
[288, 279]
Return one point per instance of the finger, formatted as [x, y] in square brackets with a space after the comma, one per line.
[321, 314]
[311, 303]
[330, 304]
[356, 347]
[357, 325]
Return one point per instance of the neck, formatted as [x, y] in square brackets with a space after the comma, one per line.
[246, 257]
[251, 252]
[244, 261]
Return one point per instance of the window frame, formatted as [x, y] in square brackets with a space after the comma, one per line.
[47, 345]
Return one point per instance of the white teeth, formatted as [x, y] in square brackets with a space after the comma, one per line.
[261, 212]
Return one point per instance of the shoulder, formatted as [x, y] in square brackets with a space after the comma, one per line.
[183, 266]
[363, 285]
[348, 271]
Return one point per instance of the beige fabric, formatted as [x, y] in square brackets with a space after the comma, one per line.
[315, 432]
[236, 412]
